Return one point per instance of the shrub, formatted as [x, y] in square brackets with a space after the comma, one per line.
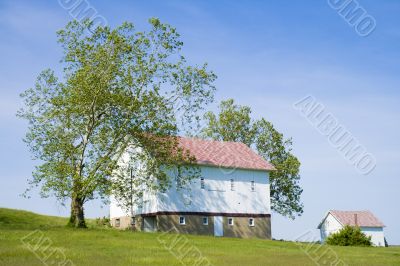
[349, 236]
[103, 222]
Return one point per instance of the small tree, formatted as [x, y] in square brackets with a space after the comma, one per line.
[349, 236]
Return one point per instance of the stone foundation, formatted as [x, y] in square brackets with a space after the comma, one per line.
[241, 227]
[166, 222]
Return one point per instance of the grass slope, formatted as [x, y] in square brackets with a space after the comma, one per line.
[98, 246]
[18, 219]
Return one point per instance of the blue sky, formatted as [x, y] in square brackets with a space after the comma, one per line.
[268, 55]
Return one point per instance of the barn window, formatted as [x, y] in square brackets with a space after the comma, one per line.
[182, 220]
[251, 222]
[230, 221]
[205, 220]
[117, 222]
[253, 186]
[202, 185]
[232, 184]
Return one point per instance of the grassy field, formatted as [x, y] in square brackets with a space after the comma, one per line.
[30, 239]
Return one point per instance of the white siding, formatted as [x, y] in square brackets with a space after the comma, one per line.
[115, 210]
[149, 200]
[216, 197]
[329, 226]
[149, 204]
[376, 233]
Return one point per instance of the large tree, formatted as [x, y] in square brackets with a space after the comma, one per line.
[119, 87]
[234, 123]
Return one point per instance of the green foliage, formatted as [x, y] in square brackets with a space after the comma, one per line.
[349, 236]
[120, 87]
[103, 222]
[234, 123]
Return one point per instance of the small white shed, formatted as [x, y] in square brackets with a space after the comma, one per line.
[335, 220]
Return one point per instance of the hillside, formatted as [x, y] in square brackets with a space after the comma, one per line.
[19, 219]
[22, 244]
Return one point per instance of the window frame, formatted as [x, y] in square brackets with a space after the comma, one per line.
[117, 222]
[183, 220]
[202, 183]
[231, 219]
[253, 220]
[232, 184]
[205, 223]
[253, 186]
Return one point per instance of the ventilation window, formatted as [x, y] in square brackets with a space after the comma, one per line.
[182, 220]
[232, 185]
[253, 186]
[202, 185]
[117, 222]
[205, 220]
[230, 221]
[251, 222]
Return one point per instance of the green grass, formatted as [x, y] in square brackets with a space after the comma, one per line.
[19, 219]
[101, 246]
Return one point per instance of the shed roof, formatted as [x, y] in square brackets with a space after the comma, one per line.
[353, 218]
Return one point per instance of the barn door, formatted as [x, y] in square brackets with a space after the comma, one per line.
[149, 224]
[218, 226]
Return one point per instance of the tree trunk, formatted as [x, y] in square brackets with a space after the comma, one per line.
[77, 218]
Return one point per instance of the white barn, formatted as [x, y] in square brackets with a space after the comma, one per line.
[335, 220]
[232, 197]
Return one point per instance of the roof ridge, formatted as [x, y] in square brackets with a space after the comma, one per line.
[365, 218]
[213, 140]
[351, 211]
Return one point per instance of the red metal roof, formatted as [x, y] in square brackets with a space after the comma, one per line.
[364, 218]
[224, 154]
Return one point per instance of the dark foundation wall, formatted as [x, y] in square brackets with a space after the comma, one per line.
[193, 225]
[123, 222]
[241, 228]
